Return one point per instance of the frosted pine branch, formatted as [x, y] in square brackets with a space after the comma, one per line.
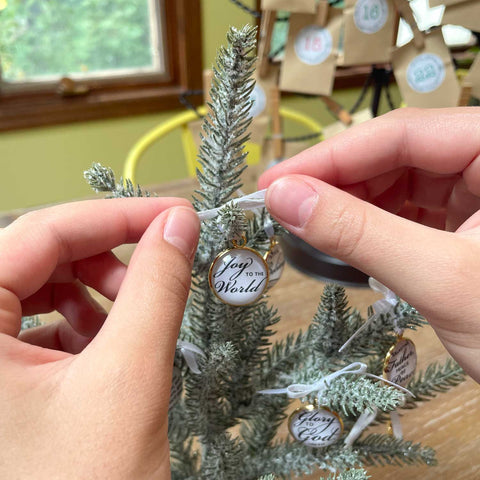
[102, 179]
[224, 129]
[437, 378]
[293, 458]
[352, 395]
[183, 457]
[267, 413]
[333, 322]
[257, 338]
[208, 410]
[284, 356]
[379, 335]
[353, 474]
[232, 222]
[379, 449]
[223, 459]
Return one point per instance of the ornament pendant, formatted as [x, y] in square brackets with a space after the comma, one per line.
[315, 426]
[400, 362]
[275, 260]
[238, 276]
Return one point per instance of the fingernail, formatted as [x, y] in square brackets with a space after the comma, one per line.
[182, 230]
[291, 200]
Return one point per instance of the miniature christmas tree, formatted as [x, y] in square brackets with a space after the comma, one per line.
[224, 425]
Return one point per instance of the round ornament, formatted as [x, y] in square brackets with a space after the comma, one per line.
[314, 426]
[400, 362]
[425, 73]
[238, 276]
[370, 15]
[177, 387]
[259, 99]
[275, 260]
[313, 44]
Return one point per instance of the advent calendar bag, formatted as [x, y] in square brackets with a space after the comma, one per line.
[368, 31]
[466, 14]
[473, 77]
[437, 3]
[298, 6]
[311, 53]
[426, 78]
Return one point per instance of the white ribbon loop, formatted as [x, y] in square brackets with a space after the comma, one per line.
[247, 202]
[190, 352]
[268, 227]
[397, 430]
[300, 390]
[386, 304]
[363, 421]
[380, 307]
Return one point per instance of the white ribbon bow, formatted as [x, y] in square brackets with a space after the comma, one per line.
[300, 390]
[386, 304]
[190, 352]
[383, 306]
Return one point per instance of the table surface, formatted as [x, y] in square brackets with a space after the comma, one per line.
[449, 423]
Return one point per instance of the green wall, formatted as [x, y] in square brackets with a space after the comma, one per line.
[45, 165]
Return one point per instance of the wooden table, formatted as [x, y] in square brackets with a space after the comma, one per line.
[449, 423]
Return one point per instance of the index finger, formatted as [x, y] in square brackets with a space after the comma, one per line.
[443, 141]
[37, 242]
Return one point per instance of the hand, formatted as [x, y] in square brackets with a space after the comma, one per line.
[385, 197]
[88, 397]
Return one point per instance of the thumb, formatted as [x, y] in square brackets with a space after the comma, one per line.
[145, 319]
[421, 264]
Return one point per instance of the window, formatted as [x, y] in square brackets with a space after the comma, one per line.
[75, 60]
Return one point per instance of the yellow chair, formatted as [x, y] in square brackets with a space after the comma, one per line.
[181, 121]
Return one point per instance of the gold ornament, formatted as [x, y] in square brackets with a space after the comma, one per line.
[238, 276]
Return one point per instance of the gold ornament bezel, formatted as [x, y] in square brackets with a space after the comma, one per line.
[388, 356]
[273, 243]
[224, 252]
[310, 407]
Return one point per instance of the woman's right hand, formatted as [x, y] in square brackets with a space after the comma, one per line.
[398, 197]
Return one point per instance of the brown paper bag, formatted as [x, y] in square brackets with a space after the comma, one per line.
[297, 6]
[368, 35]
[426, 77]
[466, 14]
[437, 3]
[473, 77]
[338, 127]
[311, 54]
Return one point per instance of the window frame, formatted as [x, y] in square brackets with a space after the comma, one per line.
[124, 96]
